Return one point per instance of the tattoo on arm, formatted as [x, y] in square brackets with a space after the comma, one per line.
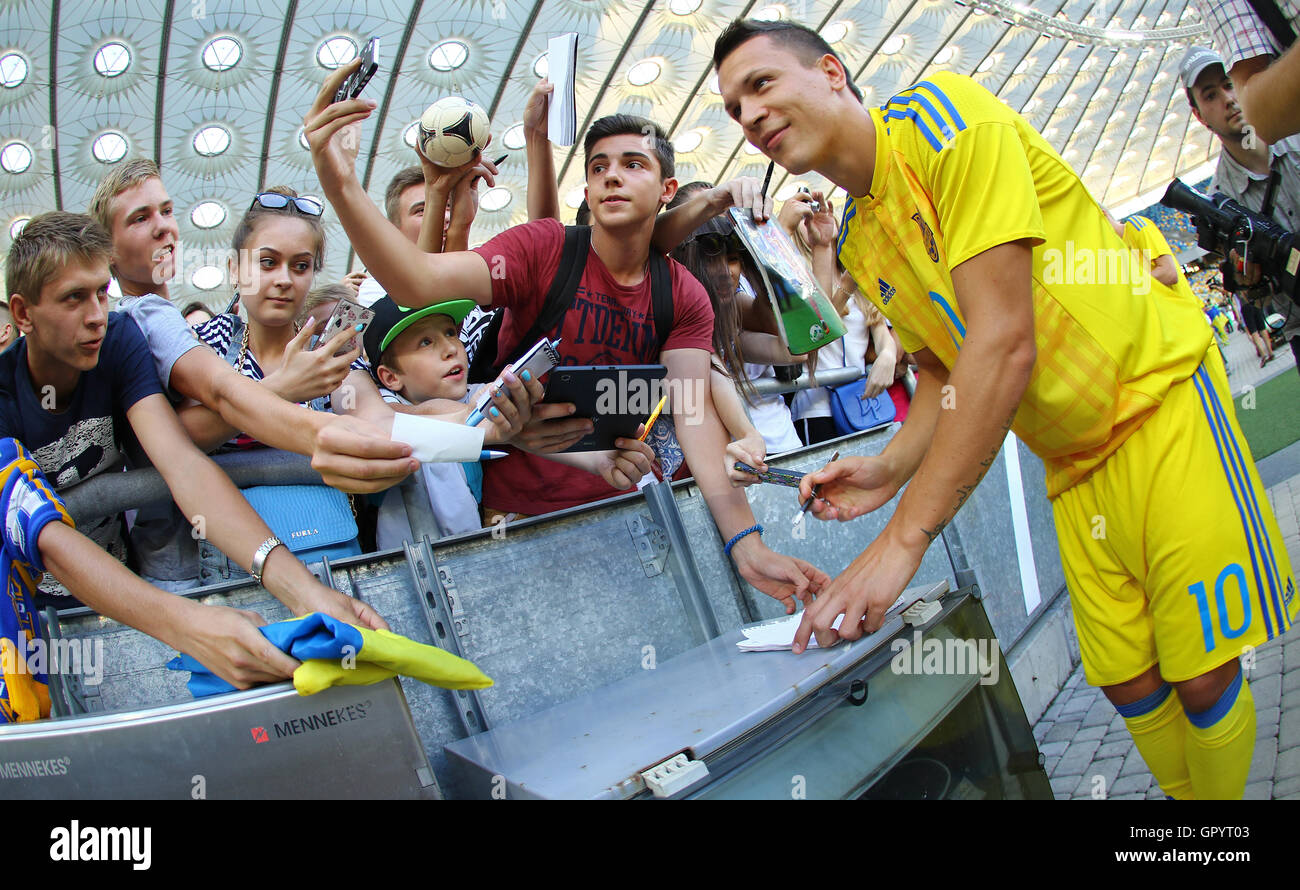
[964, 491]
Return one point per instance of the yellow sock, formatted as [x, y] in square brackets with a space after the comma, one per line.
[1159, 731]
[1221, 744]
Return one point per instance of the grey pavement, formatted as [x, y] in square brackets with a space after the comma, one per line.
[1087, 748]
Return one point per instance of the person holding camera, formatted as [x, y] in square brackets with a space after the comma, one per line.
[1258, 176]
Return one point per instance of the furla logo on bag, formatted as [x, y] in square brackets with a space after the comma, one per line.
[91, 844]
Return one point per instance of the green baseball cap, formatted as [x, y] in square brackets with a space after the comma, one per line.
[391, 319]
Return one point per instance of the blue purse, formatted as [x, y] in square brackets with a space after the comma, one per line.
[313, 521]
[852, 413]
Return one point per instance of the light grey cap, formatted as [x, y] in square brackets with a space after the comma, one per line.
[1198, 58]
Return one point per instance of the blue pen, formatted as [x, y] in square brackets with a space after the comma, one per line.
[491, 455]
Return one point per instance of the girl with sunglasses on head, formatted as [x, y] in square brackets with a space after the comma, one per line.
[743, 346]
[279, 246]
[866, 330]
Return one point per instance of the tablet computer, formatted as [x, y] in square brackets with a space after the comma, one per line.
[617, 398]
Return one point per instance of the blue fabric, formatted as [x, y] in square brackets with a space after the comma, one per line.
[313, 636]
[1146, 705]
[1220, 709]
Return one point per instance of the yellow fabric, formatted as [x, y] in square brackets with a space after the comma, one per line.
[1141, 234]
[957, 172]
[29, 698]
[383, 655]
[1161, 736]
[1170, 549]
[1219, 756]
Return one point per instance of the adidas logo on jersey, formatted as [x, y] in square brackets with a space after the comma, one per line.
[887, 291]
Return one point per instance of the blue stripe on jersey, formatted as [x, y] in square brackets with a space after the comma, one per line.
[956, 322]
[920, 125]
[944, 101]
[1261, 529]
[924, 104]
[1200, 383]
[850, 211]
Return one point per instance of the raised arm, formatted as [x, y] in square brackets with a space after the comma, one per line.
[543, 191]
[1270, 94]
[674, 226]
[410, 276]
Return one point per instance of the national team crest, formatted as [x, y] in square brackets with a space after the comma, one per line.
[931, 247]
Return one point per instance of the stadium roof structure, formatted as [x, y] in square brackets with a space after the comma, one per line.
[216, 90]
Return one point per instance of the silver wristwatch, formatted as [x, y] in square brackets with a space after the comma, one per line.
[259, 558]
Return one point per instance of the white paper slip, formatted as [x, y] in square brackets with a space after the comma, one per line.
[778, 635]
[562, 64]
[436, 441]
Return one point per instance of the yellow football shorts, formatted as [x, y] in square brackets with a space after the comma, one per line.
[1170, 548]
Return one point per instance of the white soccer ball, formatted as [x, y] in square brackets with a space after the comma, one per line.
[452, 130]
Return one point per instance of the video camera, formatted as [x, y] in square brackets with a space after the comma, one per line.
[1223, 225]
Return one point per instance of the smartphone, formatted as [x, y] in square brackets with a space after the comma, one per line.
[346, 314]
[538, 360]
[815, 205]
[355, 82]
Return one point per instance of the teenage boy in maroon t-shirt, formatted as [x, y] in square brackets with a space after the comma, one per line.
[629, 172]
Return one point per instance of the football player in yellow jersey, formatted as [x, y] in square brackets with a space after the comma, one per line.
[1002, 276]
[1141, 234]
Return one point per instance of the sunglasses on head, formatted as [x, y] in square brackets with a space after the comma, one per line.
[716, 243]
[277, 201]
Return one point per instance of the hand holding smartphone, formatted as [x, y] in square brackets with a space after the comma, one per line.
[355, 82]
[349, 315]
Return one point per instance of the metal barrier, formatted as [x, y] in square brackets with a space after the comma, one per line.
[553, 607]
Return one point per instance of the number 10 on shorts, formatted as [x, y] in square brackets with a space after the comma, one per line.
[1231, 571]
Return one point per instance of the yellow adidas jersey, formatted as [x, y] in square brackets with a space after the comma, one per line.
[1142, 234]
[957, 173]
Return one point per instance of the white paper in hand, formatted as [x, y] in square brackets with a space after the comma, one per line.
[562, 67]
[434, 441]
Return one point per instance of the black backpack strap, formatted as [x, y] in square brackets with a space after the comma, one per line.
[661, 297]
[1275, 21]
[564, 287]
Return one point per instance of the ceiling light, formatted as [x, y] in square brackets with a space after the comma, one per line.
[222, 53]
[211, 141]
[494, 199]
[302, 140]
[684, 7]
[16, 227]
[835, 32]
[573, 200]
[336, 52]
[514, 137]
[542, 66]
[770, 14]
[688, 142]
[789, 190]
[208, 214]
[714, 87]
[945, 55]
[892, 45]
[750, 149]
[986, 65]
[13, 69]
[206, 277]
[109, 148]
[14, 157]
[644, 72]
[410, 134]
[448, 55]
[1022, 67]
[112, 59]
